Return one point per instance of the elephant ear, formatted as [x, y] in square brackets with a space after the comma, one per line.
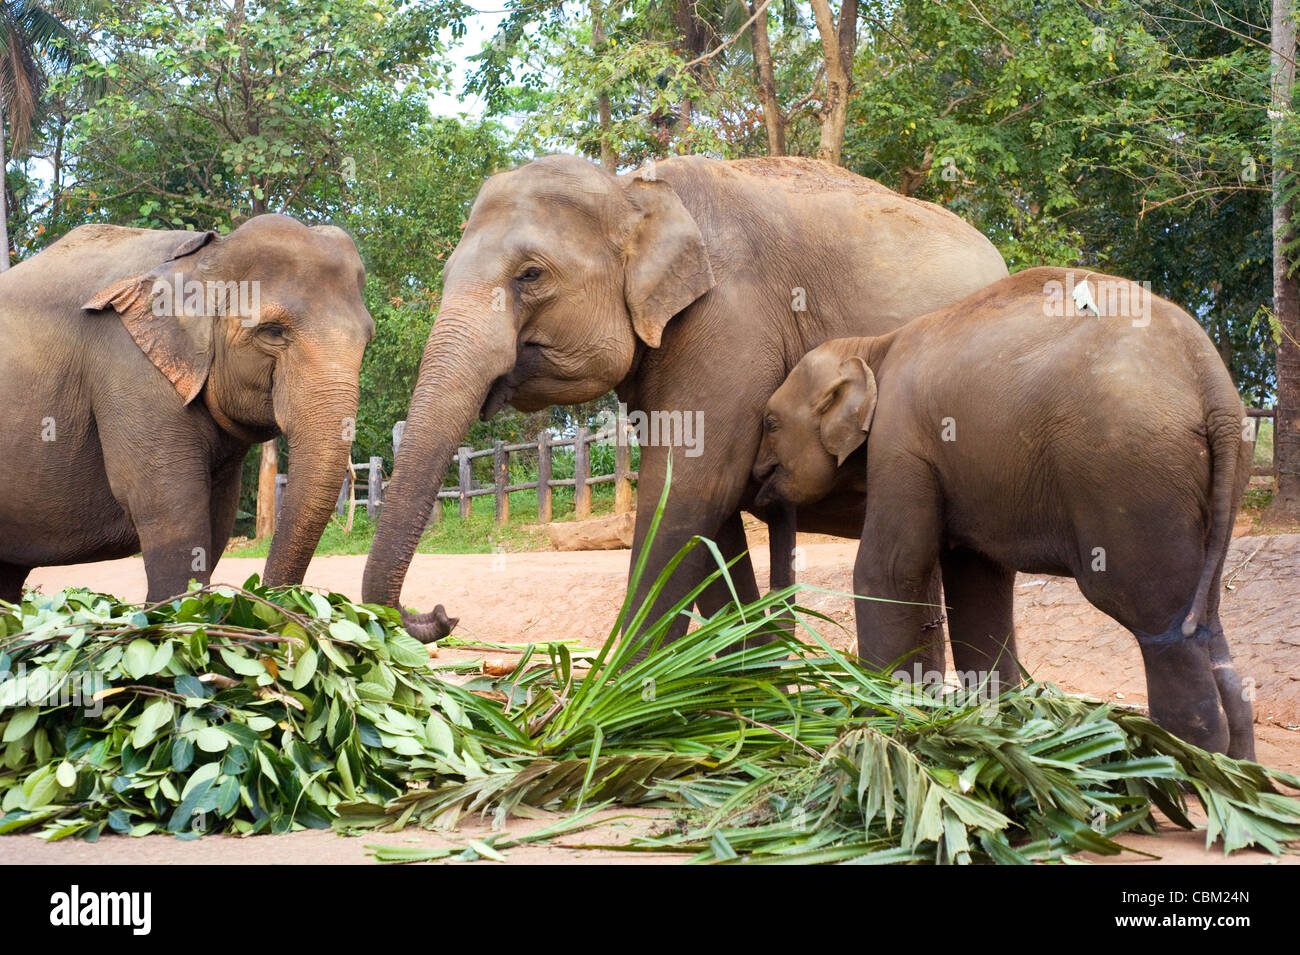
[665, 265]
[177, 340]
[845, 409]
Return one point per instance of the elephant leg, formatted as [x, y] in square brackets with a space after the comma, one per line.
[978, 593]
[781, 521]
[1234, 697]
[704, 494]
[166, 487]
[176, 548]
[732, 543]
[896, 576]
[1182, 689]
[225, 506]
[11, 581]
[781, 524]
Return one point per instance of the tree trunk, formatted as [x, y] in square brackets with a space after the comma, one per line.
[1286, 295]
[266, 473]
[4, 195]
[839, 45]
[773, 118]
[603, 116]
[695, 35]
[270, 465]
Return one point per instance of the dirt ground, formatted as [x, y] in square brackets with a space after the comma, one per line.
[542, 595]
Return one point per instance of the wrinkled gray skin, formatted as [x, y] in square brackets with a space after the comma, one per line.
[989, 438]
[697, 290]
[109, 450]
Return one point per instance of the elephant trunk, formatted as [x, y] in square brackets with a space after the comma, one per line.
[319, 432]
[471, 346]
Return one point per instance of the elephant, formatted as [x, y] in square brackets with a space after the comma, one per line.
[140, 367]
[1012, 432]
[690, 287]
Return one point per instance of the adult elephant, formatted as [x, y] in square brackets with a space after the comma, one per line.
[694, 285]
[139, 368]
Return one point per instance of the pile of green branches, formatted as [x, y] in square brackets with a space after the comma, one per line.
[227, 710]
[253, 710]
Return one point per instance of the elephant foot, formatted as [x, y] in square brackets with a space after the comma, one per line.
[1181, 687]
[431, 626]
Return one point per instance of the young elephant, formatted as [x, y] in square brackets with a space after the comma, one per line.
[1017, 430]
[138, 368]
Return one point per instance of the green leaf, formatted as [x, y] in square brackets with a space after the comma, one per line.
[348, 632]
[66, 775]
[162, 656]
[304, 668]
[204, 774]
[21, 723]
[407, 651]
[241, 664]
[138, 658]
[210, 739]
[182, 753]
[155, 716]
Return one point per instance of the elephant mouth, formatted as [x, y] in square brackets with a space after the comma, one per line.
[768, 493]
[498, 397]
[527, 360]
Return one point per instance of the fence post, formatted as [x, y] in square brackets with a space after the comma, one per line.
[501, 477]
[622, 468]
[544, 478]
[399, 431]
[581, 471]
[375, 492]
[280, 481]
[345, 492]
[465, 481]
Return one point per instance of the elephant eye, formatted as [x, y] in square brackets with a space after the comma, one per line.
[272, 332]
[530, 274]
[769, 424]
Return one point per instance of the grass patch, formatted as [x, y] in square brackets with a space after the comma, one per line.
[480, 534]
[1264, 443]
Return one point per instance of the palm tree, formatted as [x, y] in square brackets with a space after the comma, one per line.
[32, 39]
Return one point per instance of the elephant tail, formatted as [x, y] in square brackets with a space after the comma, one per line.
[1224, 438]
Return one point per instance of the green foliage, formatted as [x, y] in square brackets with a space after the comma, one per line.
[215, 112]
[1125, 137]
[226, 710]
[415, 177]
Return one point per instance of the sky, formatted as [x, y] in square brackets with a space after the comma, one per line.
[480, 30]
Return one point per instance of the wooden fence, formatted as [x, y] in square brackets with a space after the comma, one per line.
[1269, 470]
[370, 475]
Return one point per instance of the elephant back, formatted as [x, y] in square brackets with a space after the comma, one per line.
[87, 259]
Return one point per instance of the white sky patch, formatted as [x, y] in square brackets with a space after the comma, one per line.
[479, 30]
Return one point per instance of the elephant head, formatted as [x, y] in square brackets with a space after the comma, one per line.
[563, 272]
[265, 328]
[818, 417]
